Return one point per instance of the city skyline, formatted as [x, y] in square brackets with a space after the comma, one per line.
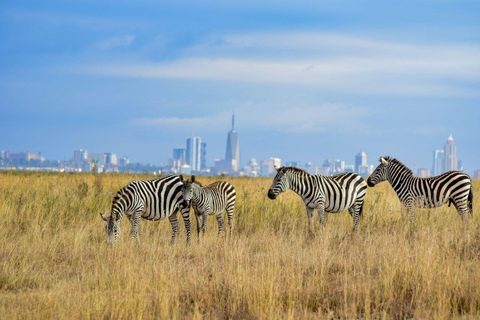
[308, 83]
[81, 160]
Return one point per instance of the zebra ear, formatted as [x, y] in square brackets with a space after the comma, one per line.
[181, 178]
[383, 161]
[193, 178]
[104, 217]
[276, 168]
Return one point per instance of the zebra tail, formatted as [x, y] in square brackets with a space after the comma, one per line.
[470, 200]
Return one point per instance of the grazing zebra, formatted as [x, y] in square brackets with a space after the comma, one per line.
[154, 199]
[210, 200]
[327, 194]
[453, 187]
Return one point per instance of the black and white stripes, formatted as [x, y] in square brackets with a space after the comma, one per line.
[327, 194]
[213, 199]
[453, 187]
[154, 199]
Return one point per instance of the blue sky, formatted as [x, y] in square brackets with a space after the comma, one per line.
[307, 81]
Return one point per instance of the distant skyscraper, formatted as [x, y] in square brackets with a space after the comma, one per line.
[272, 163]
[111, 158]
[179, 154]
[450, 155]
[232, 155]
[203, 156]
[80, 156]
[123, 162]
[360, 160]
[423, 173]
[193, 153]
[438, 162]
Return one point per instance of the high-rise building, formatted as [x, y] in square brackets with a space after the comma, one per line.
[123, 162]
[293, 163]
[80, 156]
[365, 170]
[438, 162]
[110, 159]
[450, 155]
[272, 164]
[460, 166]
[179, 154]
[232, 155]
[476, 174]
[360, 160]
[193, 153]
[203, 156]
[423, 173]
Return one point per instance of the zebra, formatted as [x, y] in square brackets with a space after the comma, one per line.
[333, 194]
[154, 199]
[212, 199]
[452, 187]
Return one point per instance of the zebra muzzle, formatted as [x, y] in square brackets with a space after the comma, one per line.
[271, 195]
[370, 183]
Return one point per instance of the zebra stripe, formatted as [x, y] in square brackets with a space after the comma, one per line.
[334, 194]
[213, 199]
[452, 187]
[154, 199]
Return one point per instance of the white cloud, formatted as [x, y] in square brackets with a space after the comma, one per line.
[328, 61]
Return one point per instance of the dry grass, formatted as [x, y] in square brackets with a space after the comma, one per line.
[55, 261]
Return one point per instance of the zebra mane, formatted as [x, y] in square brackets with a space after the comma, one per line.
[120, 194]
[196, 182]
[296, 170]
[403, 167]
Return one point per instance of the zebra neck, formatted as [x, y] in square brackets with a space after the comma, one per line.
[198, 194]
[398, 181]
[298, 184]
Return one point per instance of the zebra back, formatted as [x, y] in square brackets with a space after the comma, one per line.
[156, 198]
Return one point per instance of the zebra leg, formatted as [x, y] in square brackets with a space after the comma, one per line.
[309, 217]
[220, 224]
[352, 210]
[410, 213]
[186, 220]
[462, 209]
[134, 220]
[321, 215]
[174, 223]
[204, 223]
[356, 214]
[199, 225]
[230, 218]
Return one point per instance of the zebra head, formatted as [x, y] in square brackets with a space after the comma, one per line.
[188, 188]
[112, 228]
[380, 174]
[280, 183]
[113, 222]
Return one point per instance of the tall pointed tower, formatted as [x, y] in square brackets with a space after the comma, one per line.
[232, 155]
[450, 155]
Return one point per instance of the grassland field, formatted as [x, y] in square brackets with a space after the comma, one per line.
[55, 261]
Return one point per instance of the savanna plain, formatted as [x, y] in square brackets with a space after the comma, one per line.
[55, 261]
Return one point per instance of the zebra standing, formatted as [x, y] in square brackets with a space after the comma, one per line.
[327, 194]
[210, 200]
[154, 199]
[453, 187]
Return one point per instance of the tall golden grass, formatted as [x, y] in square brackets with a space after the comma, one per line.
[55, 261]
